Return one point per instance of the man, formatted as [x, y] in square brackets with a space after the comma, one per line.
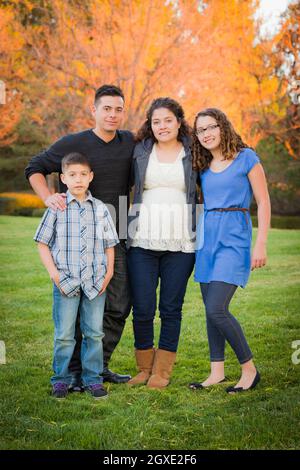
[110, 153]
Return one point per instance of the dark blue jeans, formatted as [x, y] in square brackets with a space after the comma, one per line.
[221, 325]
[145, 268]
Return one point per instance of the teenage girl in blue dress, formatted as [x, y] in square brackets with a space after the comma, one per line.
[230, 174]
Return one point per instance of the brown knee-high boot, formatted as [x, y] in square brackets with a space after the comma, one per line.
[144, 360]
[162, 369]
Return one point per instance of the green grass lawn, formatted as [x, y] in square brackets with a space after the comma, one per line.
[138, 418]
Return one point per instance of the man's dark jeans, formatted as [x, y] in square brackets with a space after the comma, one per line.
[117, 309]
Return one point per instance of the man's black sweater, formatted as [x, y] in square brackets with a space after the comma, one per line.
[110, 161]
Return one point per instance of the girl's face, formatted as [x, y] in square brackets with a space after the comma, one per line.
[164, 125]
[208, 132]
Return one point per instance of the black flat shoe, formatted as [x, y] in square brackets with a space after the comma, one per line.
[241, 389]
[199, 386]
[113, 377]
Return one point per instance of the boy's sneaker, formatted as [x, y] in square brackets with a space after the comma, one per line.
[60, 390]
[97, 391]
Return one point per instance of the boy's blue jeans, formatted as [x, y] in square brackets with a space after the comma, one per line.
[91, 322]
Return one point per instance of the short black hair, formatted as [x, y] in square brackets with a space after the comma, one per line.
[75, 158]
[108, 90]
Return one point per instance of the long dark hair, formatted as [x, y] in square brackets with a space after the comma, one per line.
[145, 130]
[231, 142]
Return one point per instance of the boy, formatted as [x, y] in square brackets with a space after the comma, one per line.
[76, 247]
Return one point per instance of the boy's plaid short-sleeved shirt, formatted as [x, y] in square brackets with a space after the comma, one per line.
[77, 238]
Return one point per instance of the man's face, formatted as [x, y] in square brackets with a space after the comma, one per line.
[108, 113]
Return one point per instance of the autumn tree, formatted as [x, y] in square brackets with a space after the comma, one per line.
[11, 70]
[202, 53]
[141, 46]
[288, 69]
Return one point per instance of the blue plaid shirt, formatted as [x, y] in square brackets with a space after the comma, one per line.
[77, 238]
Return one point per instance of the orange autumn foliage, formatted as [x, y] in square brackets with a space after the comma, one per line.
[203, 54]
[24, 200]
[10, 48]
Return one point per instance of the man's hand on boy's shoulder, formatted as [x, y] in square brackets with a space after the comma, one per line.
[56, 201]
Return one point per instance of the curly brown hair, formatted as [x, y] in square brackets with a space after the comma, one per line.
[231, 142]
[145, 130]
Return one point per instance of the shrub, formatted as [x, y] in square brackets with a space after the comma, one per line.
[279, 221]
[19, 203]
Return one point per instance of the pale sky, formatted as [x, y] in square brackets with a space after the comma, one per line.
[270, 11]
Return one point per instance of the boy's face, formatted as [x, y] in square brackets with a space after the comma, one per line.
[77, 178]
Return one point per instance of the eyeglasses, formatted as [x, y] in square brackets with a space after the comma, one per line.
[211, 127]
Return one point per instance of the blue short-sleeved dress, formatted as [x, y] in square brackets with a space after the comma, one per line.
[223, 249]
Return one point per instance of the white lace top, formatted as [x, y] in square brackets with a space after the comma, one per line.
[163, 219]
